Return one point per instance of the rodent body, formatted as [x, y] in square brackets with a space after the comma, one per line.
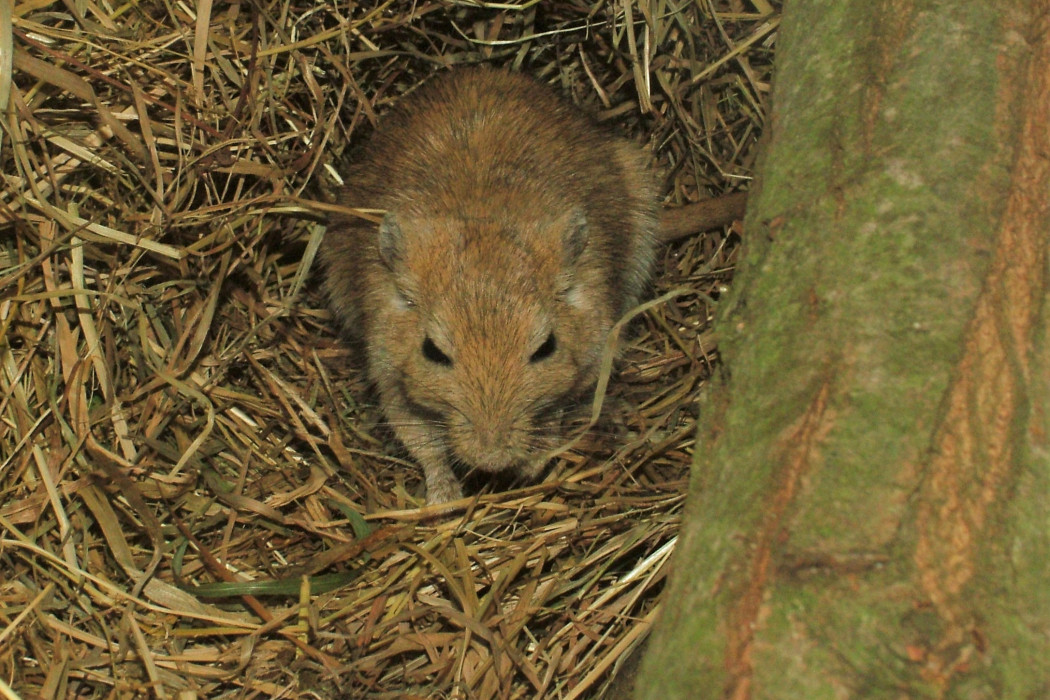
[516, 233]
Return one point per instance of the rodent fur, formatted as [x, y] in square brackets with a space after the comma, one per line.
[517, 232]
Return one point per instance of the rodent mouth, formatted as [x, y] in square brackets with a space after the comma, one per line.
[511, 476]
[493, 463]
[520, 455]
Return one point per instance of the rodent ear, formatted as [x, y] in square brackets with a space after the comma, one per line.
[574, 237]
[391, 241]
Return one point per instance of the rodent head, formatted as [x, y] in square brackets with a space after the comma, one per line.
[488, 325]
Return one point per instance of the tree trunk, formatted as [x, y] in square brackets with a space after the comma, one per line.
[870, 506]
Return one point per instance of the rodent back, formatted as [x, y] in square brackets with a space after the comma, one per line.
[487, 144]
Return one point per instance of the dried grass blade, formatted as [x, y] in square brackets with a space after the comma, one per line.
[200, 48]
[6, 54]
[76, 224]
[77, 86]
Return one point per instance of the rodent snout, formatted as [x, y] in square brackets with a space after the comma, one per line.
[494, 443]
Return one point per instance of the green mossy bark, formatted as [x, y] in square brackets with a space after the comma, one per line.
[873, 232]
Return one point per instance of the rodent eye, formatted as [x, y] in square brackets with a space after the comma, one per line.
[404, 299]
[433, 354]
[545, 350]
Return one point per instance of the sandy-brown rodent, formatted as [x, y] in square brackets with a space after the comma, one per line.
[516, 233]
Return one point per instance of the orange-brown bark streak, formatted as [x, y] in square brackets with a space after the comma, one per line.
[974, 449]
[797, 453]
[893, 23]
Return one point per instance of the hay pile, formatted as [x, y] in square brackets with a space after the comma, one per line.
[197, 496]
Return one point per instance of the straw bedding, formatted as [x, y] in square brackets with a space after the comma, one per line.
[198, 497]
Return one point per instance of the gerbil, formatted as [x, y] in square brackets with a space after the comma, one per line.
[516, 233]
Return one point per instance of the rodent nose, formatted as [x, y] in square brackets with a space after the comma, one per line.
[488, 437]
[488, 444]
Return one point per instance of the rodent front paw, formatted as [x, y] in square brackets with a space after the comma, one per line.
[442, 488]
